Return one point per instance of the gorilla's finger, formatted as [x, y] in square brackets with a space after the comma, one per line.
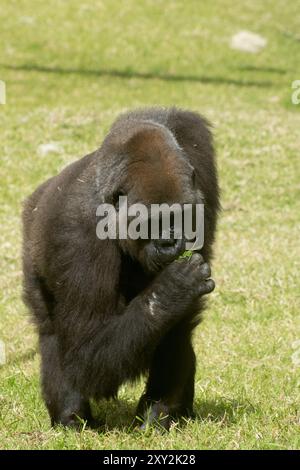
[204, 271]
[206, 287]
[197, 258]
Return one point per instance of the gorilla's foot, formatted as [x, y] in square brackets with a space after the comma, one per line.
[75, 416]
[159, 414]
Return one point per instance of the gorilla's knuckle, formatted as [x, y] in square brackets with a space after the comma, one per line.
[205, 270]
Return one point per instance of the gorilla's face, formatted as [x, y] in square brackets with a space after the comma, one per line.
[156, 171]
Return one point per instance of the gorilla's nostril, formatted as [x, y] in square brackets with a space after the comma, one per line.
[166, 242]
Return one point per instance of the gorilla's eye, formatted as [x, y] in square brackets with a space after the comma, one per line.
[194, 178]
[116, 199]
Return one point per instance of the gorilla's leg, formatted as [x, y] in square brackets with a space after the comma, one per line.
[170, 388]
[65, 405]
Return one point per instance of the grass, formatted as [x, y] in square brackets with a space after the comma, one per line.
[70, 68]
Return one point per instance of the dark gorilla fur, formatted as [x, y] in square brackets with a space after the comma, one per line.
[108, 311]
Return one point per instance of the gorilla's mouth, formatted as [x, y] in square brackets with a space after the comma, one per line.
[159, 253]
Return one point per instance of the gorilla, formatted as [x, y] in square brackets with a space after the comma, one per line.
[109, 311]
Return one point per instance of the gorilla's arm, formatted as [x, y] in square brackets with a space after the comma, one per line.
[101, 352]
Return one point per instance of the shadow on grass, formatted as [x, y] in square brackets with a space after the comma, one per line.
[222, 410]
[253, 68]
[128, 74]
[119, 414]
[113, 415]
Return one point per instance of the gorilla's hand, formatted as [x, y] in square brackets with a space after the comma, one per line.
[180, 284]
[193, 275]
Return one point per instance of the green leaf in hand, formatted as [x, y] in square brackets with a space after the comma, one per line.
[186, 254]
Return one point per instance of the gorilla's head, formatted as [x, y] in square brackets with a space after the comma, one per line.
[149, 168]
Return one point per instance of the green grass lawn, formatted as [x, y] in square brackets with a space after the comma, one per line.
[70, 68]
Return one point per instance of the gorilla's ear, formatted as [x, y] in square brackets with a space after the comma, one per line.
[116, 196]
